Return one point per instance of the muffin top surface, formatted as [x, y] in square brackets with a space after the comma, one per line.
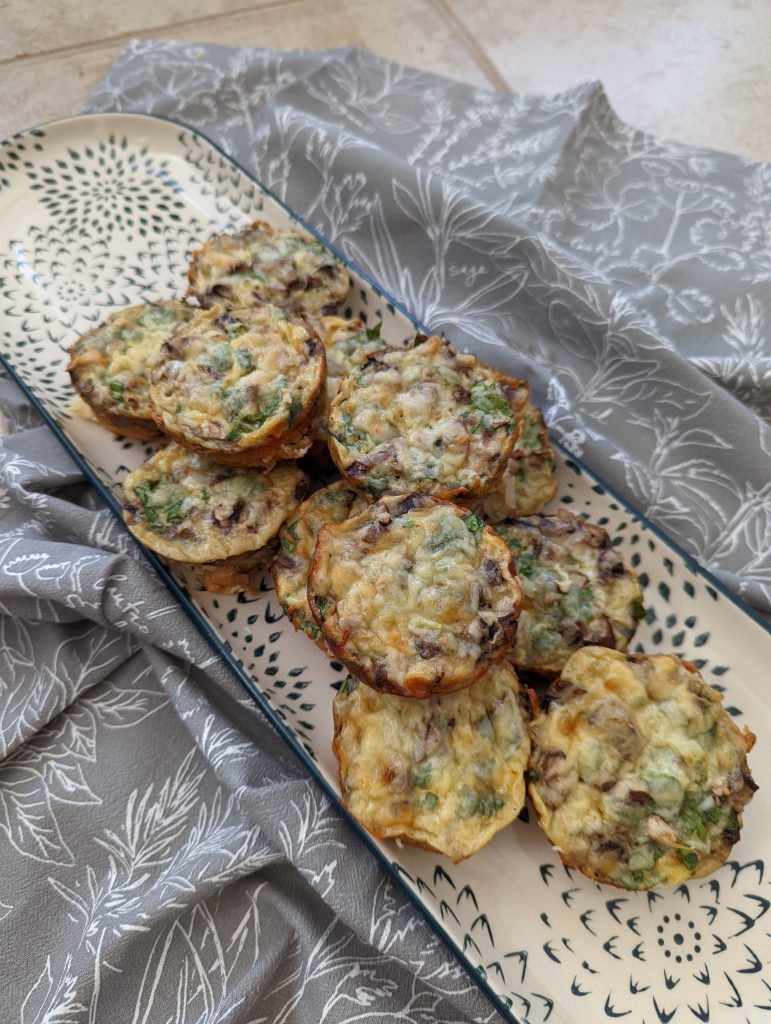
[446, 773]
[425, 419]
[266, 264]
[578, 591]
[184, 506]
[237, 378]
[110, 365]
[527, 483]
[638, 774]
[297, 538]
[416, 595]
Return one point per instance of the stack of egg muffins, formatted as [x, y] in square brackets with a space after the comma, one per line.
[427, 567]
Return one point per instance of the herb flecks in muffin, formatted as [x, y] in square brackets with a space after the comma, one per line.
[527, 483]
[415, 595]
[241, 386]
[638, 775]
[578, 591]
[445, 773]
[264, 264]
[188, 508]
[425, 418]
[297, 537]
[110, 365]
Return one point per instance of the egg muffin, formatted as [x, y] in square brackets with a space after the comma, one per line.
[191, 509]
[415, 595]
[426, 419]
[638, 775]
[348, 345]
[297, 539]
[240, 386]
[578, 591]
[239, 574]
[528, 481]
[265, 264]
[110, 364]
[446, 773]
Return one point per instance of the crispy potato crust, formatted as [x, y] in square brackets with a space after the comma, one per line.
[446, 774]
[426, 419]
[638, 775]
[415, 595]
[266, 264]
[241, 386]
[110, 365]
[578, 590]
[191, 509]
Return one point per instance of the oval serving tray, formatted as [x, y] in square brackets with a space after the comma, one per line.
[545, 943]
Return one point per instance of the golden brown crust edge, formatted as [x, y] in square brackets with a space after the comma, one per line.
[127, 426]
[275, 447]
[411, 688]
[509, 385]
[394, 833]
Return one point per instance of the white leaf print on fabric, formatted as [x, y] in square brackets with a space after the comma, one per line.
[52, 1001]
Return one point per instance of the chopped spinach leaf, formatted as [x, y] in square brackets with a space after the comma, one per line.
[474, 522]
[244, 359]
[637, 609]
[525, 563]
[295, 408]
[173, 511]
[491, 407]
[690, 858]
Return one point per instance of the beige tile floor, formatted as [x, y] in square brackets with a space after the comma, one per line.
[695, 70]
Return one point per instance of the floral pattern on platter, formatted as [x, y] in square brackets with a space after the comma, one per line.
[547, 942]
[701, 936]
[66, 283]
[111, 188]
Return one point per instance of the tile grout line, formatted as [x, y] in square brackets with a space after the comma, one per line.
[142, 33]
[475, 48]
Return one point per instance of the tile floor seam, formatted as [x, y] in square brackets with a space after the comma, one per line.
[30, 59]
[477, 52]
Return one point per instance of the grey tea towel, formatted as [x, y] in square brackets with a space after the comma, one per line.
[164, 856]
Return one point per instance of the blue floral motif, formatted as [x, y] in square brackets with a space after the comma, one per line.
[65, 283]
[701, 948]
[110, 188]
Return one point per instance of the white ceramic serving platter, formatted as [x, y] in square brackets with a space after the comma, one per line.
[101, 211]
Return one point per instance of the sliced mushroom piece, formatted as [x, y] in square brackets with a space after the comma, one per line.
[562, 691]
[631, 792]
[660, 831]
[617, 727]
[610, 564]
[558, 778]
[598, 633]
